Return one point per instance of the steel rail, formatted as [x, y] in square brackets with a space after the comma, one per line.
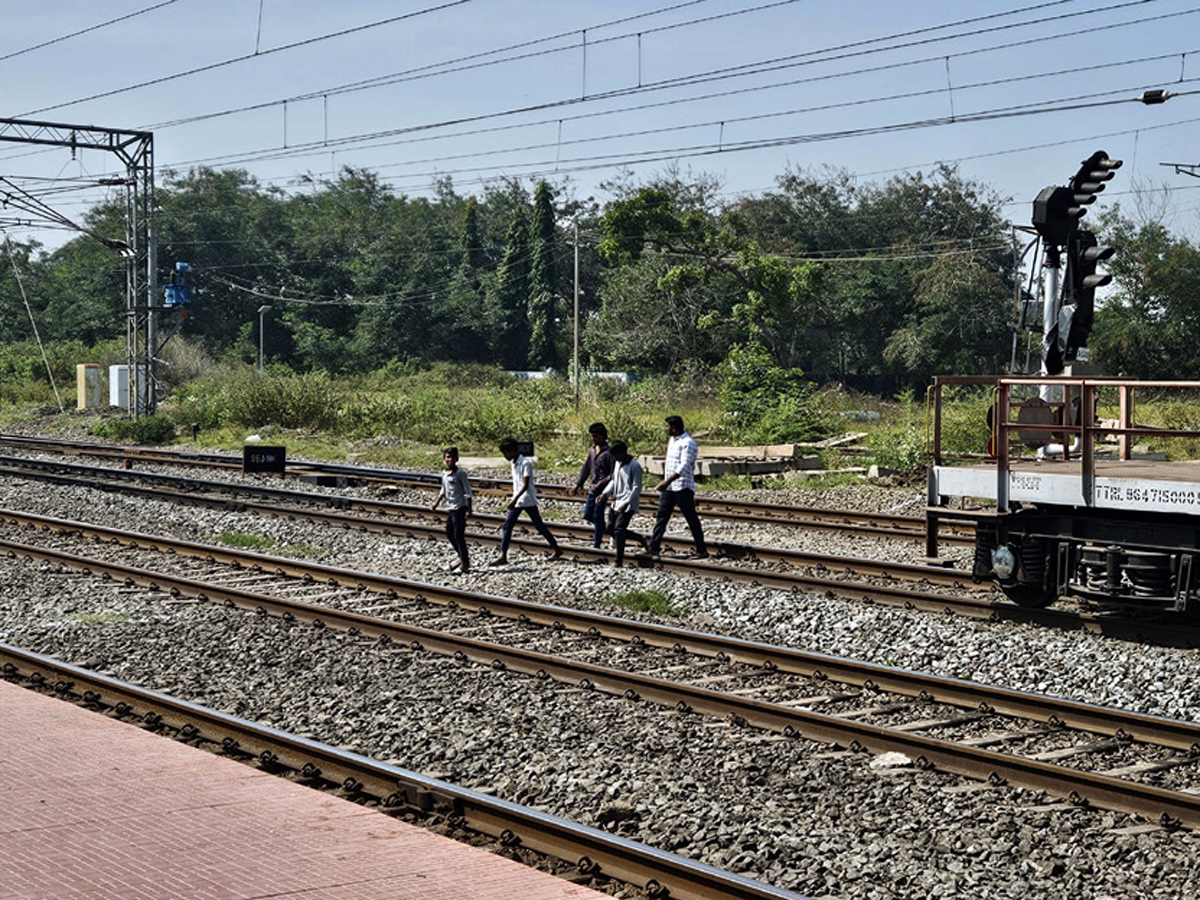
[974, 605]
[957, 578]
[896, 596]
[770, 657]
[659, 873]
[991, 608]
[887, 525]
[1079, 787]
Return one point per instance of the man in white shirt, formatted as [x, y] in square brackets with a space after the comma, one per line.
[678, 488]
[524, 499]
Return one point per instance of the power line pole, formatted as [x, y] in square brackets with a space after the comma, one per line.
[575, 360]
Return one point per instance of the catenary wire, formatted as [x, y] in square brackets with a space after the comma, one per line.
[88, 30]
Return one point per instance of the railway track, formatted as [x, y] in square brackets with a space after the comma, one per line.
[391, 789]
[374, 515]
[876, 581]
[936, 723]
[868, 524]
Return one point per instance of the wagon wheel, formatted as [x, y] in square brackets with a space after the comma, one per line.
[1031, 596]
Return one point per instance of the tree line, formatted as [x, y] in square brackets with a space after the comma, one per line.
[823, 276]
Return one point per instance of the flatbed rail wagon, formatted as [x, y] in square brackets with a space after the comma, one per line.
[1066, 502]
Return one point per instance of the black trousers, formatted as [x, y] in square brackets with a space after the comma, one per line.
[456, 531]
[686, 501]
[621, 533]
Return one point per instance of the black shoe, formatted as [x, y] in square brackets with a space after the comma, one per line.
[699, 554]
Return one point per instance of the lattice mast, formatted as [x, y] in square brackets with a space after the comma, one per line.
[135, 149]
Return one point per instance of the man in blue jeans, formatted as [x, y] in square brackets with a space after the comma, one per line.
[599, 467]
[678, 488]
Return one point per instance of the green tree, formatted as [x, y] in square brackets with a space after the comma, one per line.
[543, 282]
[343, 314]
[760, 297]
[1148, 320]
[778, 302]
[235, 236]
[474, 258]
[468, 329]
[20, 272]
[809, 213]
[510, 295]
[881, 243]
[644, 327]
[78, 292]
[765, 403]
[957, 325]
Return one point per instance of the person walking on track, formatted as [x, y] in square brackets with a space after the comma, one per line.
[625, 489]
[456, 491]
[599, 468]
[524, 499]
[678, 488]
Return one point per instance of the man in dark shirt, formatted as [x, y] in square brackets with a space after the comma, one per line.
[599, 467]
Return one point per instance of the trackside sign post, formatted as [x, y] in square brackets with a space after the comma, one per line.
[258, 458]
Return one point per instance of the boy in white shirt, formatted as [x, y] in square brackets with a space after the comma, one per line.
[524, 499]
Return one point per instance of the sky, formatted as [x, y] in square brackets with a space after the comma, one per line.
[1015, 94]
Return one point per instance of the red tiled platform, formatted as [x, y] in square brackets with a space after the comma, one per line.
[94, 808]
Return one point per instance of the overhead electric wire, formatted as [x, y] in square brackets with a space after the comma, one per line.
[550, 171]
[546, 167]
[441, 68]
[248, 56]
[342, 143]
[437, 69]
[357, 139]
[725, 121]
[858, 48]
[581, 163]
[88, 30]
[285, 101]
[363, 139]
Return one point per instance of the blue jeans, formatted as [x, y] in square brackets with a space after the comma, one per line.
[535, 517]
[597, 513]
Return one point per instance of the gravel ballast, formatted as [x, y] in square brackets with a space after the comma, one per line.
[788, 812]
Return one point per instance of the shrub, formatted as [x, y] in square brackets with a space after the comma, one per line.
[648, 601]
[902, 449]
[766, 404]
[965, 419]
[155, 429]
[642, 433]
[182, 361]
[298, 401]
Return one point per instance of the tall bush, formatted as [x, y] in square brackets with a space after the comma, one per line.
[299, 401]
[764, 403]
